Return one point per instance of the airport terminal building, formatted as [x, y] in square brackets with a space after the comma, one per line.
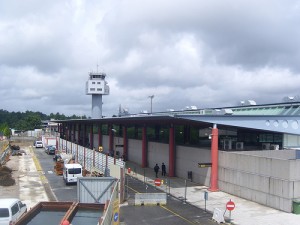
[252, 149]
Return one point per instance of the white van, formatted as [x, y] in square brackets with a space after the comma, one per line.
[11, 209]
[71, 171]
[39, 144]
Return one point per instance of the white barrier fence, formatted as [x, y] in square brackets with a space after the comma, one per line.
[89, 158]
[150, 199]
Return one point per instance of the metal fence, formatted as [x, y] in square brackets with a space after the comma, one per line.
[89, 158]
[4, 151]
[111, 213]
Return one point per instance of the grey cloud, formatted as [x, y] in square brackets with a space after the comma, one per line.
[203, 53]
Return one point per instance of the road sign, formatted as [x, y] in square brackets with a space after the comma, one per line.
[116, 212]
[157, 182]
[230, 205]
[116, 217]
[203, 165]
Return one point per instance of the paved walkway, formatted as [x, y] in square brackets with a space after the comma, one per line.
[29, 179]
[245, 212]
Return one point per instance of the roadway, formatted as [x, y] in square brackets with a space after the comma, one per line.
[175, 212]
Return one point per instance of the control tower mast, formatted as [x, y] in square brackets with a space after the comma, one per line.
[97, 86]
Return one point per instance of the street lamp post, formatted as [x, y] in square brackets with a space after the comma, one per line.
[151, 97]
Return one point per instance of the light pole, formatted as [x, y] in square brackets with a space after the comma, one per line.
[151, 97]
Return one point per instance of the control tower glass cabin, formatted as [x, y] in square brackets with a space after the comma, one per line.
[96, 86]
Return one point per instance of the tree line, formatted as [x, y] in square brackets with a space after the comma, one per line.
[28, 120]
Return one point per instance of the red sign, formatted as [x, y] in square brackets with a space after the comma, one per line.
[230, 205]
[157, 182]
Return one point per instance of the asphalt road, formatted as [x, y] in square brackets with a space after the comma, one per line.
[175, 212]
[56, 184]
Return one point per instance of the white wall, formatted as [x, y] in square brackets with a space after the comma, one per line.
[135, 151]
[118, 141]
[187, 159]
[270, 181]
[158, 153]
[105, 143]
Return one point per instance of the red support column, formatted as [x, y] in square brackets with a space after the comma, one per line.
[84, 136]
[111, 147]
[67, 133]
[57, 144]
[214, 160]
[78, 135]
[77, 153]
[171, 151]
[144, 147]
[91, 137]
[74, 131]
[99, 135]
[125, 144]
[94, 158]
[84, 157]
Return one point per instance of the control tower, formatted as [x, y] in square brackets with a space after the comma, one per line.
[96, 86]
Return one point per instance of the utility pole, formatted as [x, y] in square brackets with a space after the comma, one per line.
[151, 97]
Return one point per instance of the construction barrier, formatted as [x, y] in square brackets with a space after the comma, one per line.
[150, 199]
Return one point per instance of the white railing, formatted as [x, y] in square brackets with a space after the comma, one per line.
[89, 158]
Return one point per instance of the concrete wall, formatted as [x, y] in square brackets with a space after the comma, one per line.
[118, 141]
[187, 159]
[105, 143]
[135, 151]
[278, 154]
[158, 153]
[270, 178]
[269, 181]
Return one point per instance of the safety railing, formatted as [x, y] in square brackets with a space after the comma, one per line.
[4, 152]
[89, 158]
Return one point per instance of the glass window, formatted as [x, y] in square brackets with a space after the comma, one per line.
[15, 209]
[92, 89]
[4, 212]
[75, 171]
[277, 137]
[93, 82]
[98, 82]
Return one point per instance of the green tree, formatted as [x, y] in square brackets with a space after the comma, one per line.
[5, 129]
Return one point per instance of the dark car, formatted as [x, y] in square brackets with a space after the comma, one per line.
[51, 150]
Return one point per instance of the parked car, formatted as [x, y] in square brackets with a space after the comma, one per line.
[39, 144]
[50, 150]
[11, 209]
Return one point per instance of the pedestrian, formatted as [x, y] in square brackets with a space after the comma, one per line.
[163, 169]
[156, 169]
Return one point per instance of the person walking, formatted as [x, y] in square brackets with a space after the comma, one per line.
[163, 169]
[156, 169]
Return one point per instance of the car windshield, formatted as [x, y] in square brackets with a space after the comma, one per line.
[74, 171]
[4, 212]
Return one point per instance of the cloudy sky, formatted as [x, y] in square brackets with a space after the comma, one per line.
[184, 52]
